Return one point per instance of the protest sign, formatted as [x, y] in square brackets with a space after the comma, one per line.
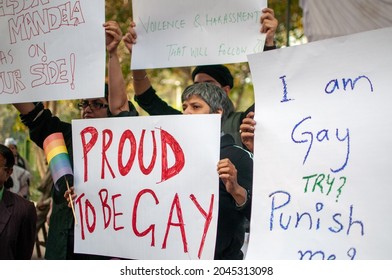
[51, 50]
[323, 150]
[174, 33]
[147, 186]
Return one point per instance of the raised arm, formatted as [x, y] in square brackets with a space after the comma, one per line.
[118, 100]
[141, 82]
[24, 108]
[269, 24]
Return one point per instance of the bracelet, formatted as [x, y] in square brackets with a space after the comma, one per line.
[242, 204]
[139, 79]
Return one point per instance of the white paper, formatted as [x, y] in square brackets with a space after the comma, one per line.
[174, 33]
[323, 150]
[51, 50]
[134, 210]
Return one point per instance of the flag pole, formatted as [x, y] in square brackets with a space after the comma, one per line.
[70, 199]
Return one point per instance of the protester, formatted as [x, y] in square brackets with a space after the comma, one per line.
[147, 98]
[22, 172]
[21, 178]
[235, 170]
[42, 123]
[19, 160]
[17, 215]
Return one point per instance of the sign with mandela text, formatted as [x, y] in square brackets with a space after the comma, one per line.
[51, 50]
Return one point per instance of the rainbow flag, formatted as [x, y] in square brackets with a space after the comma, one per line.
[57, 156]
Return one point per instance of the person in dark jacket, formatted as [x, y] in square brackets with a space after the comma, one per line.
[17, 215]
[42, 123]
[235, 170]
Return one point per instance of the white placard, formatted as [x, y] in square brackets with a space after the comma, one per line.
[51, 50]
[174, 33]
[147, 186]
[323, 150]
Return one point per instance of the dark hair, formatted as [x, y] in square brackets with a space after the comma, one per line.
[217, 71]
[9, 163]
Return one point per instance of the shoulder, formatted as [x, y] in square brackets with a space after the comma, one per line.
[20, 204]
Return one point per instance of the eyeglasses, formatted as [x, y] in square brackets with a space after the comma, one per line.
[94, 105]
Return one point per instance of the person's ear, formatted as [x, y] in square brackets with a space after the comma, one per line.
[226, 89]
[220, 112]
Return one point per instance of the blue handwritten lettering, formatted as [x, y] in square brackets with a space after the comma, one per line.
[321, 136]
[309, 220]
[334, 84]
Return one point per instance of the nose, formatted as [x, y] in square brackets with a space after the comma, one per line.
[88, 108]
[187, 111]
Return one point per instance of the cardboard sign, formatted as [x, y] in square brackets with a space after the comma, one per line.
[147, 186]
[51, 50]
[323, 150]
[175, 33]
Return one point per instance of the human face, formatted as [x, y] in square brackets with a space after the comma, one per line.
[5, 172]
[13, 149]
[205, 78]
[195, 105]
[93, 108]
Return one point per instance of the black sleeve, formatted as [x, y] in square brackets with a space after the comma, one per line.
[245, 179]
[269, 48]
[41, 124]
[154, 105]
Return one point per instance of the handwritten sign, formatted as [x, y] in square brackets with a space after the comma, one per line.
[51, 50]
[323, 150]
[175, 33]
[147, 186]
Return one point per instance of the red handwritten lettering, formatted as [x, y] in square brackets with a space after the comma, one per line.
[105, 147]
[127, 135]
[167, 140]
[207, 216]
[176, 205]
[168, 172]
[88, 146]
[39, 22]
[79, 204]
[103, 196]
[115, 213]
[53, 72]
[10, 82]
[147, 170]
[151, 228]
[88, 208]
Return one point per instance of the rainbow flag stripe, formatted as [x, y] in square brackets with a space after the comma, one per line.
[57, 156]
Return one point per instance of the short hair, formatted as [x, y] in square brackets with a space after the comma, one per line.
[213, 95]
